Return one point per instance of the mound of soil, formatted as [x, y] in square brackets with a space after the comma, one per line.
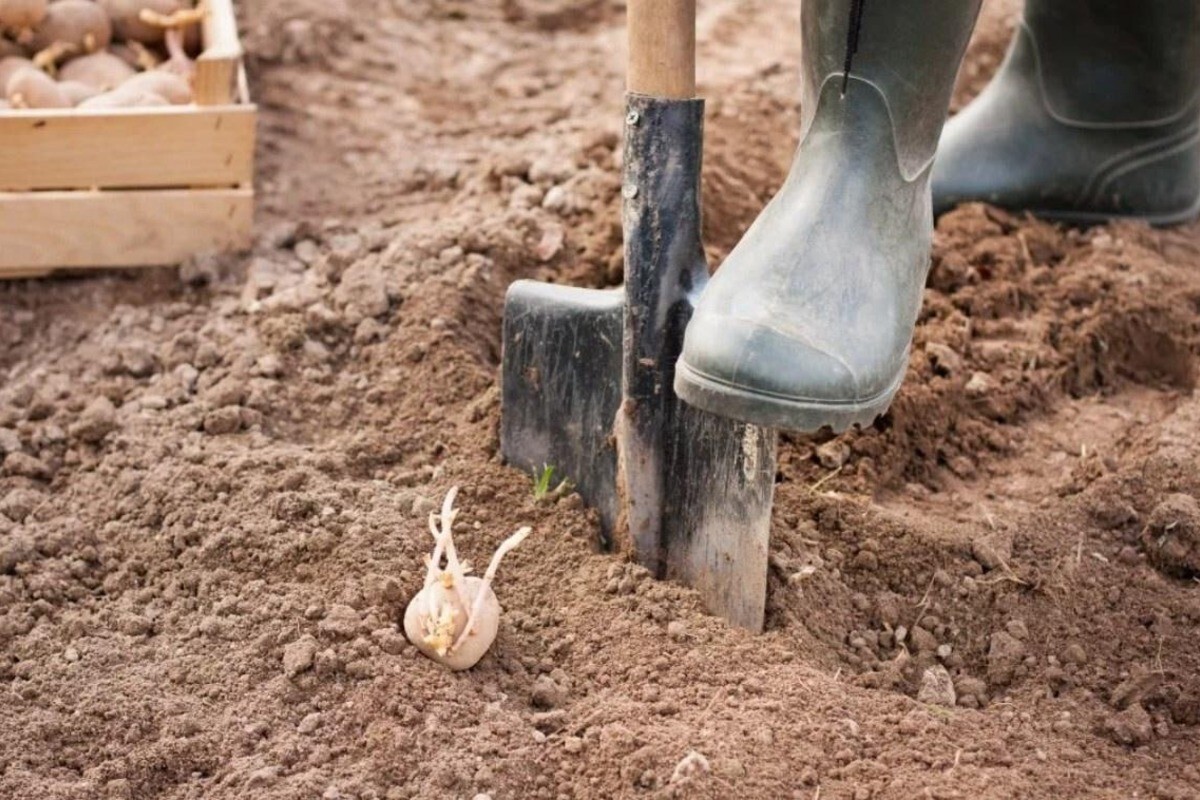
[215, 480]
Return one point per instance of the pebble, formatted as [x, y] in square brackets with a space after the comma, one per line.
[307, 251]
[694, 764]
[971, 691]
[833, 454]
[1074, 654]
[187, 376]
[992, 550]
[1005, 653]
[547, 694]
[979, 384]
[362, 292]
[263, 777]
[298, 656]
[9, 441]
[1131, 727]
[137, 359]
[945, 360]
[223, 421]
[25, 466]
[310, 723]
[98, 420]
[937, 687]
[20, 503]
[390, 641]
[341, 621]
[923, 641]
[549, 721]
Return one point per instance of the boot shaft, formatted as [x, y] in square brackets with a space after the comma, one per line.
[1116, 61]
[908, 51]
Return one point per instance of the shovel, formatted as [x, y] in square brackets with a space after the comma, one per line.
[588, 374]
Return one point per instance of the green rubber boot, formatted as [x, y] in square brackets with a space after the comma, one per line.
[809, 321]
[1094, 115]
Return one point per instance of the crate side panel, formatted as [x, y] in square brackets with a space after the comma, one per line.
[47, 230]
[175, 147]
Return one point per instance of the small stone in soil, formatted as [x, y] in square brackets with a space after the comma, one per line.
[298, 656]
[25, 466]
[223, 421]
[937, 687]
[1131, 727]
[992, 550]
[1005, 653]
[547, 694]
[1172, 536]
[340, 621]
[97, 421]
[833, 454]
[693, 765]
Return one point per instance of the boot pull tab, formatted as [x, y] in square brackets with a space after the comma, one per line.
[852, 33]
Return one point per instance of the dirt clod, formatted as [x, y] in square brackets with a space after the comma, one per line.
[1172, 535]
[1132, 727]
[96, 422]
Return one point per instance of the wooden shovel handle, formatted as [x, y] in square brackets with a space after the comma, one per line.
[662, 48]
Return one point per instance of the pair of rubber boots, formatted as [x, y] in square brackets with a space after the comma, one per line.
[1093, 115]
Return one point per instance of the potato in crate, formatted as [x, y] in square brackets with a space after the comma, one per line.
[126, 134]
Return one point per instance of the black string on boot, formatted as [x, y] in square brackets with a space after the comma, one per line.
[852, 33]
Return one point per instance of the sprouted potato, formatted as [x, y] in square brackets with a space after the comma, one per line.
[125, 98]
[126, 16]
[21, 16]
[103, 53]
[104, 71]
[454, 619]
[11, 66]
[32, 88]
[171, 87]
[10, 48]
[81, 23]
[77, 92]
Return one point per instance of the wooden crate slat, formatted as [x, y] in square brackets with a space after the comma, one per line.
[46, 230]
[216, 69]
[127, 148]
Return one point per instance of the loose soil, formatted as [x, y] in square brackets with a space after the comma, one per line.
[215, 478]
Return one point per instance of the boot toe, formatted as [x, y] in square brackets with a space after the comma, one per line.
[753, 358]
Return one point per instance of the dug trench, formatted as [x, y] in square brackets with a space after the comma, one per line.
[215, 479]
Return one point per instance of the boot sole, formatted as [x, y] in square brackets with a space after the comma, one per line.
[774, 411]
[1091, 218]
[1086, 218]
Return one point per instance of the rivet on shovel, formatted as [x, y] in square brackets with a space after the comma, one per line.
[629, 191]
[632, 118]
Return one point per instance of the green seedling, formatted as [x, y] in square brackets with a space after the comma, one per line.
[543, 480]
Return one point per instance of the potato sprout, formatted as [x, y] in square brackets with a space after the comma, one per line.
[454, 619]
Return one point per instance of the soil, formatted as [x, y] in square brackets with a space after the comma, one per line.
[216, 478]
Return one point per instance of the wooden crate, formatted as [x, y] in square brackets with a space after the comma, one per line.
[132, 187]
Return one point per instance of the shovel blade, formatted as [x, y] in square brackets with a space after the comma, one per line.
[561, 386]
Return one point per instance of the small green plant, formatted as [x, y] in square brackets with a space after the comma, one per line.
[543, 480]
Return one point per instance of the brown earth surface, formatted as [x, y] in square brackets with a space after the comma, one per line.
[992, 593]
